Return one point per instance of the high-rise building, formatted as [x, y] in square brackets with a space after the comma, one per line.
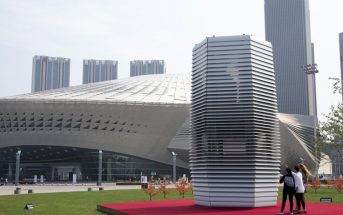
[341, 56]
[147, 67]
[235, 150]
[50, 73]
[99, 70]
[287, 26]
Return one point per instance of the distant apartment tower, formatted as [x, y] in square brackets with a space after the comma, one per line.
[341, 56]
[287, 26]
[99, 70]
[147, 67]
[50, 73]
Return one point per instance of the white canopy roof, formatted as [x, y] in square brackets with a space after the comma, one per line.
[161, 88]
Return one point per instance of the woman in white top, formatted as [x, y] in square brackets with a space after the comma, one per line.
[300, 190]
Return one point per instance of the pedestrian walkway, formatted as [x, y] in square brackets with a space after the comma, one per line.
[54, 188]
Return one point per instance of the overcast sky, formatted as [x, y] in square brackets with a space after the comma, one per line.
[125, 30]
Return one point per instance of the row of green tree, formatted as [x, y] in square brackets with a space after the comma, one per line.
[336, 183]
[330, 136]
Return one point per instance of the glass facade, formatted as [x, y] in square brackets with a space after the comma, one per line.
[58, 163]
[99, 70]
[287, 27]
[147, 67]
[114, 73]
[50, 73]
[85, 73]
[37, 76]
[97, 73]
[66, 74]
[49, 76]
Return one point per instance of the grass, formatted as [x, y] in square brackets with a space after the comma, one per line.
[312, 196]
[73, 203]
[84, 203]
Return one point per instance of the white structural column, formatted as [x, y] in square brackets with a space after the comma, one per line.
[235, 150]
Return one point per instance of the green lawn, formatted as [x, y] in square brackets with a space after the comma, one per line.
[85, 202]
[313, 196]
[72, 203]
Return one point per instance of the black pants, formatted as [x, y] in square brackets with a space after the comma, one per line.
[300, 198]
[290, 194]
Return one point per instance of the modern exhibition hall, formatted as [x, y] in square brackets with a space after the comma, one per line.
[137, 122]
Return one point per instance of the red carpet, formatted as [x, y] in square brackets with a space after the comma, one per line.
[187, 207]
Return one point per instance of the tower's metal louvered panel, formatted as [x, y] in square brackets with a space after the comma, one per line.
[235, 151]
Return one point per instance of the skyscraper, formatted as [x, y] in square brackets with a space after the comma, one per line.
[341, 56]
[99, 70]
[287, 25]
[235, 150]
[50, 73]
[147, 67]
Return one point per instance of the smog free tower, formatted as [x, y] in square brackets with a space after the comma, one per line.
[235, 150]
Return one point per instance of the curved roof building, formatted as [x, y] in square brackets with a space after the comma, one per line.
[297, 135]
[136, 121]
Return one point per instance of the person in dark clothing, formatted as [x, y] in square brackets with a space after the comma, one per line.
[288, 190]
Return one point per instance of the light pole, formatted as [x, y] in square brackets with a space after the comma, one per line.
[17, 167]
[311, 70]
[100, 169]
[174, 166]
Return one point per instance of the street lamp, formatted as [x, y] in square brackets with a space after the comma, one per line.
[100, 169]
[311, 70]
[17, 168]
[174, 166]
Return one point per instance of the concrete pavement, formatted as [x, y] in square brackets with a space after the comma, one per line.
[54, 188]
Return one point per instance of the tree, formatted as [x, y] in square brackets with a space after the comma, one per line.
[330, 137]
[163, 187]
[315, 184]
[339, 184]
[151, 190]
[331, 131]
[183, 186]
[329, 182]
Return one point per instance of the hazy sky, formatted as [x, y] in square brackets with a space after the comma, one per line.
[125, 30]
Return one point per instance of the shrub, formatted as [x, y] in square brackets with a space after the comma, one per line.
[151, 190]
[338, 184]
[315, 184]
[163, 187]
[329, 182]
[183, 186]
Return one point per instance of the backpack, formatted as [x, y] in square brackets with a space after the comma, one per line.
[289, 181]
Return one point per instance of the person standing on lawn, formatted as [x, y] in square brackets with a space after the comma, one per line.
[299, 190]
[288, 190]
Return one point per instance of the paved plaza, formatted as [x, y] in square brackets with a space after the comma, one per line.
[54, 188]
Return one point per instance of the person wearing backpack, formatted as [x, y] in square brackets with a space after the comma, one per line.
[288, 190]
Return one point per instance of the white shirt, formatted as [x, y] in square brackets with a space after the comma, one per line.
[299, 185]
